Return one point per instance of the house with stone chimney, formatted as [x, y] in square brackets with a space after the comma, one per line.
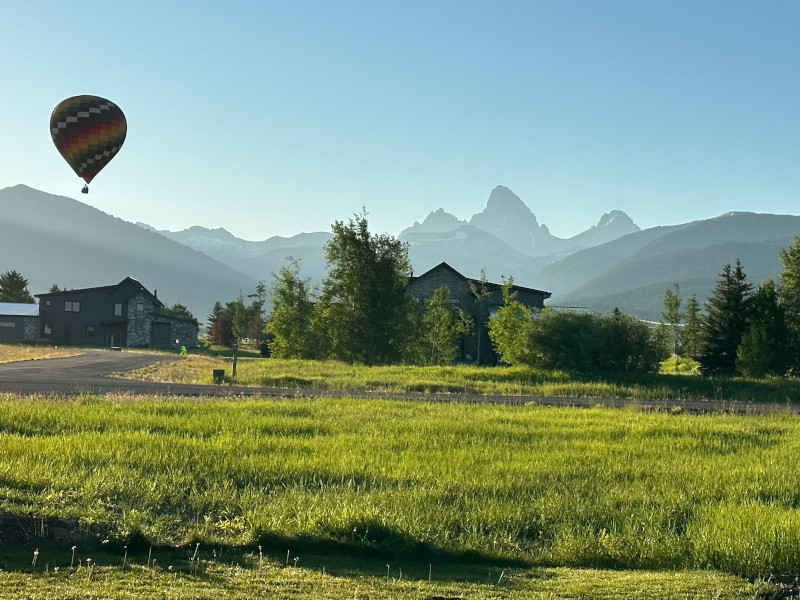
[123, 315]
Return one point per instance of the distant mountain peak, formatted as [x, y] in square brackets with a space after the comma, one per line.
[439, 221]
[509, 218]
[503, 199]
[616, 219]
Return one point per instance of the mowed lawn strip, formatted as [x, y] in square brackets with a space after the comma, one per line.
[540, 486]
[468, 379]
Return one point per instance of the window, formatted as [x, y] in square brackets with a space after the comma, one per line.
[72, 306]
[48, 329]
[118, 309]
[48, 302]
[7, 324]
[89, 330]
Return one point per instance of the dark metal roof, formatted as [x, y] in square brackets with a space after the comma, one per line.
[106, 288]
[489, 285]
[16, 309]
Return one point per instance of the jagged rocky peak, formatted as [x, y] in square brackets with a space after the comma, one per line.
[510, 219]
[616, 219]
[439, 221]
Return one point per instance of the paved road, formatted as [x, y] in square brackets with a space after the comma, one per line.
[89, 373]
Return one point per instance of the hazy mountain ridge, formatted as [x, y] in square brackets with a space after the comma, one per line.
[57, 240]
[492, 245]
[633, 272]
[54, 239]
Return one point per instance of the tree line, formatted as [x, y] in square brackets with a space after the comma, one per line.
[751, 331]
[360, 313]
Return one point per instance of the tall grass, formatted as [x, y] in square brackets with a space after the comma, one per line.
[467, 379]
[561, 487]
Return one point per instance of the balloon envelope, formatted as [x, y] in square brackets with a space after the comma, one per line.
[88, 132]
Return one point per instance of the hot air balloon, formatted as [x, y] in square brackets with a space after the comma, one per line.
[88, 131]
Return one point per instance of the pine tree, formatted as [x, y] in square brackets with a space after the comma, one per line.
[215, 313]
[692, 330]
[14, 288]
[765, 345]
[727, 315]
[672, 317]
[789, 294]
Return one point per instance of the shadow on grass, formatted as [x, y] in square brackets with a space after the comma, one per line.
[28, 545]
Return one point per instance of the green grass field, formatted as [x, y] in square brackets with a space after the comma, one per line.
[563, 492]
[460, 379]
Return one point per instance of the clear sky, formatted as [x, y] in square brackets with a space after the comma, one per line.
[272, 118]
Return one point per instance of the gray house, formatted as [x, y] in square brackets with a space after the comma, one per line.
[423, 286]
[125, 314]
[18, 322]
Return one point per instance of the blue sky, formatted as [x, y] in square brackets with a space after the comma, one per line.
[272, 118]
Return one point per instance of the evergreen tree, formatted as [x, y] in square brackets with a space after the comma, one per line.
[14, 288]
[672, 317]
[692, 331]
[363, 309]
[754, 355]
[257, 317]
[215, 313]
[727, 316]
[54, 289]
[178, 310]
[442, 328]
[765, 345]
[789, 294]
[220, 332]
[289, 323]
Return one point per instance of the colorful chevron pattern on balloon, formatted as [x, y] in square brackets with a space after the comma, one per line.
[88, 131]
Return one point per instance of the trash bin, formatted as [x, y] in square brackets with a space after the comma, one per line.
[219, 376]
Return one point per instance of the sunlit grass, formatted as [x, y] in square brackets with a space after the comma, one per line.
[362, 580]
[18, 352]
[468, 379]
[553, 487]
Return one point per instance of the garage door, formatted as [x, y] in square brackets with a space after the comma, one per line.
[160, 335]
[11, 331]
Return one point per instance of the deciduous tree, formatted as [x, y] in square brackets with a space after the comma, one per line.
[480, 313]
[363, 309]
[510, 329]
[442, 328]
[289, 323]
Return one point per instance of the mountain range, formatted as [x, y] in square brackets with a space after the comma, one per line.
[53, 239]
